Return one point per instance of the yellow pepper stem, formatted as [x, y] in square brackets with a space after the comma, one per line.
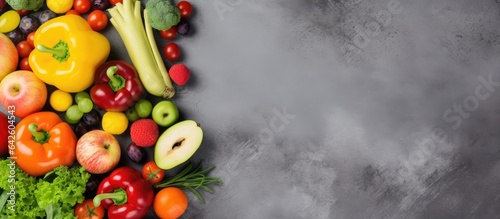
[60, 51]
[116, 82]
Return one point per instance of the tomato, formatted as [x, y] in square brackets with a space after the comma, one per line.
[24, 48]
[171, 51]
[82, 6]
[168, 34]
[185, 8]
[31, 39]
[114, 2]
[97, 20]
[86, 209]
[23, 12]
[73, 11]
[170, 203]
[24, 64]
[152, 173]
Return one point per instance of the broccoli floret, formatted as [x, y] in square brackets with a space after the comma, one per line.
[32, 5]
[162, 15]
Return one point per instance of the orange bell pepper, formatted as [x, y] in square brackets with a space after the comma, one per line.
[43, 142]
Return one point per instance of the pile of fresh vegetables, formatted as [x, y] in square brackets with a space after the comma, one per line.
[66, 102]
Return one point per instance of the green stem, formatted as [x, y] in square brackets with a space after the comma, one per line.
[119, 197]
[38, 136]
[60, 51]
[116, 82]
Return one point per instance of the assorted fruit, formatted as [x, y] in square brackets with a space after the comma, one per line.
[69, 103]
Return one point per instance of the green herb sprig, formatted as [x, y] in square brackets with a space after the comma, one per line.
[192, 178]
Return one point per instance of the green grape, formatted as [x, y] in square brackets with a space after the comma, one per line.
[85, 105]
[81, 95]
[70, 121]
[73, 113]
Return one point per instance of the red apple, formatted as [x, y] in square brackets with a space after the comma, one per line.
[98, 151]
[4, 134]
[8, 56]
[23, 92]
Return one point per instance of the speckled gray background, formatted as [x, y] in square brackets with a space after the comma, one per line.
[394, 111]
[345, 108]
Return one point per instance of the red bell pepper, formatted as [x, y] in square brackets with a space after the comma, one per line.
[116, 86]
[125, 194]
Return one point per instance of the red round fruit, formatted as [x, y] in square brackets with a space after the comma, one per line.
[185, 8]
[114, 2]
[144, 132]
[179, 74]
[168, 34]
[172, 51]
[73, 11]
[31, 39]
[152, 173]
[23, 13]
[4, 134]
[24, 64]
[97, 20]
[82, 6]
[24, 48]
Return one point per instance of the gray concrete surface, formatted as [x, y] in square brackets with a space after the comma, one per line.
[393, 107]
[345, 108]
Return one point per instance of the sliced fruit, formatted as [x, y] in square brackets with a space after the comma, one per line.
[177, 144]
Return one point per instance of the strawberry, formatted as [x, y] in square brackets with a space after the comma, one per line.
[144, 132]
[179, 73]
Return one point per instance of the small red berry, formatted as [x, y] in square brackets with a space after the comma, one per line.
[179, 73]
[144, 132]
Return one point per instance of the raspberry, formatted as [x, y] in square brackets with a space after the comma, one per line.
[179, 73]
[144, 132]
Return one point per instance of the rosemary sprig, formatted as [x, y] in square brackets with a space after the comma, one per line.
[192, 178]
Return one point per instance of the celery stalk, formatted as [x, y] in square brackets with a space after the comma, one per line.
[141, 47]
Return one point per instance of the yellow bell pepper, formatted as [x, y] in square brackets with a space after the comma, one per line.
[67, 53]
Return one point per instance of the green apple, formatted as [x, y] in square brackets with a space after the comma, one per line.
[165, 113]
[143, 108]
[132, 114]
[177, 144]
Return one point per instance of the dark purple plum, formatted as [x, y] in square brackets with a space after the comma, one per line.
[92, 118]
[28, 24]
[183, 27]
[93, 183]
[16, 36]
[101, 5]
[81, 128]
[135, 153]
[46, 15]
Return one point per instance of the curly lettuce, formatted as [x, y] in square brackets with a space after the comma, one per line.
[59, 191]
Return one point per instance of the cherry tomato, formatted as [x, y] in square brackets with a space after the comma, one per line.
[24, 49]
[24, 64]
[152, 173]
[170, 202]
[114, 2]
[23, 12]
[87, 210]
[82, 6]
[73, 11]
[171, 51]
[97, 20]
[168, 34]
[31, 39]
[185, 8]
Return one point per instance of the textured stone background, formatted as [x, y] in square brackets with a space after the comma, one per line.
[391, 115]
[345, 108]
